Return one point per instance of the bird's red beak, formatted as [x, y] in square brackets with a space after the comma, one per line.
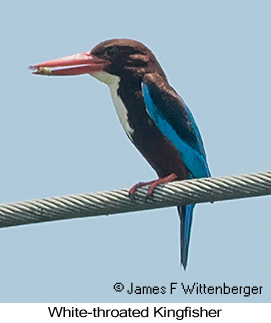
[83, 63]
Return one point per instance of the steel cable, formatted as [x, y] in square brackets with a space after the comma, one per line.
[118, 201]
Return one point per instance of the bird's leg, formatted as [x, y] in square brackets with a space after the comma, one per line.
[164, 180]
[153, 184]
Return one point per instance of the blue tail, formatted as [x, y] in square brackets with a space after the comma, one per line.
[186, 216]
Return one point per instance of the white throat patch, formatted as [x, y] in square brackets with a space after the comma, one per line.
[113, 82]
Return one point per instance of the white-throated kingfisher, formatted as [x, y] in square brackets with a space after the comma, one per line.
[153, 115]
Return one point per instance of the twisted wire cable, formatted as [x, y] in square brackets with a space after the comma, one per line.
[118, 201]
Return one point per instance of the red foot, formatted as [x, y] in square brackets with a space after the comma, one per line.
[153, 184]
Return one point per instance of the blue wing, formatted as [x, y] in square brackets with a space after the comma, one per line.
[173, 118]
[175, 121]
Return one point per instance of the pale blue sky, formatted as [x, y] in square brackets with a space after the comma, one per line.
[62, 136]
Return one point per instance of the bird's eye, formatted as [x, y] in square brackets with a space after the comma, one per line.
[113, 51]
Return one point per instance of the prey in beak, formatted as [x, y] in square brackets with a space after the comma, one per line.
[83, 63]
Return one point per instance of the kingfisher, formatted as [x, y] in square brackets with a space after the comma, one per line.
[154, 117]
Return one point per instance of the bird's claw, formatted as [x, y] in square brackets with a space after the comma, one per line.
[152, 185]
[132, 190]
